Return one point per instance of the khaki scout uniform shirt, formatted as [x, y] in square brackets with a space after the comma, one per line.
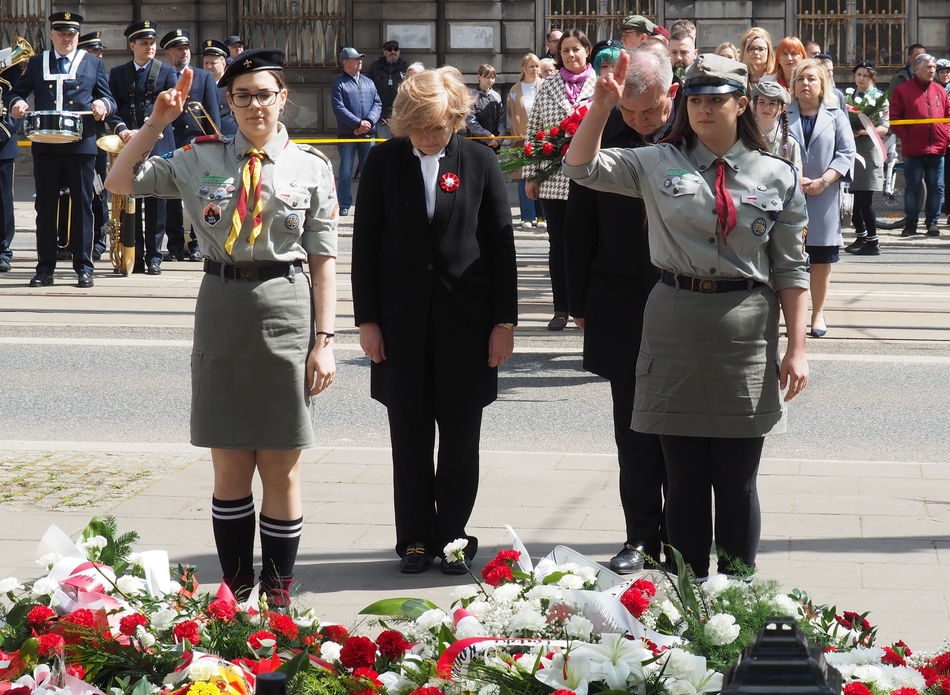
[678, 188]
[299, 212]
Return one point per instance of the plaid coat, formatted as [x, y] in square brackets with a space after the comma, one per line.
[550, 108]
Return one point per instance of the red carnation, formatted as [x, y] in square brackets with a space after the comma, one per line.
[562, 691]
[49, 643]
[564, 148]
[392, 644]
[222, 610]
[892, 658]
[645, 586]
[829, 648]
[187, 630]
[358, 651]
[905, 650]
[845, 623]
[904, 691]
[284, 625]
[853, 619]
[635, 602]
[940, 662]
[255, 639]
[335, 633]
[539, 136]
[547, 148]
[570, 128]
[368, 674]
[554, 132]
[529, 149]
[856, 688]
[82, 617]
[129, 623]
[76, 671]
[249, 665]
[40, 615]
[427, 691]
[495, 572]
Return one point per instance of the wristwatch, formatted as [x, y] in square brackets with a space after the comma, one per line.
[509, 326]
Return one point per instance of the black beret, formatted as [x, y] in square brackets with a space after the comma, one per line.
[252, 61]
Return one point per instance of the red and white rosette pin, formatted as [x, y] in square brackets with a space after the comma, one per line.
[449, 182]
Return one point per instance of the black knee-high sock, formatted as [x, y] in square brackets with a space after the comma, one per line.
[279, 542]
[233, 522]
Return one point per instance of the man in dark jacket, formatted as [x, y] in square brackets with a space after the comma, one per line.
[923, 145]
[357, 108]
[8, 154]
[388, 73]
[906, 72]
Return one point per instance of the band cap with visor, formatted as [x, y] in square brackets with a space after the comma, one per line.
[146, 29]
[92, 40]
[252, 61]
[715, 74]
[178, 37]
[213, 47]
[65, 21]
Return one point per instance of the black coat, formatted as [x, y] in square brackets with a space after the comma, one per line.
[439, 286]
[204, 90]
[132, 108]
[609, 273]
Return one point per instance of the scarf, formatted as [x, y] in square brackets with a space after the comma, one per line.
[573, 84]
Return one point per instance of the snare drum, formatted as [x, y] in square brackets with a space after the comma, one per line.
[53, 127]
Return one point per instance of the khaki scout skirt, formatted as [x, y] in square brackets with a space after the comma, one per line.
[708, 364]
[248, 364]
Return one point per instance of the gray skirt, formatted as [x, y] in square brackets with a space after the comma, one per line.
[708, 364]
[248, 364]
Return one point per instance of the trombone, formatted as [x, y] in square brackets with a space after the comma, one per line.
[200, 113]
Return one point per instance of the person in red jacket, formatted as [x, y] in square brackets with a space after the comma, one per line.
[923, 145]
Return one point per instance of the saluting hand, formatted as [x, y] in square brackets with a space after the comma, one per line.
[170, 104]
[608, 90]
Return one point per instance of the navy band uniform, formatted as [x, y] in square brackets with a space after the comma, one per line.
[92, 42]
[218, 49]
[8, 154]
[66, 83]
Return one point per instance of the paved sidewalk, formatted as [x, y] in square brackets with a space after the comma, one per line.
[865, 536]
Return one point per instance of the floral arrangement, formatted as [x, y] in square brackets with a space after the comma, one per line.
[871, 105]
[109, 621]
[544, 152]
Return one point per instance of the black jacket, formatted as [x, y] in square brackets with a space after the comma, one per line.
[609, 273]
[439, 286]
[387, 76]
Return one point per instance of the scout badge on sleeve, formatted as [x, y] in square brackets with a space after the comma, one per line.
[212, 214]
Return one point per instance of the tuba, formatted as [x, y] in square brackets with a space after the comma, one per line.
[121, 224]
[16, 54]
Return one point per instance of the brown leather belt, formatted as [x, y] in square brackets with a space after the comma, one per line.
[253, 272]
[685, 282]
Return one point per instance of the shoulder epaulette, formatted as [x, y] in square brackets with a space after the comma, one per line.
[211, 138]
[310, 149]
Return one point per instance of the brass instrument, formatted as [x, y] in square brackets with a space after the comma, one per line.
[121, 224]
[19, 52]
[200, 114]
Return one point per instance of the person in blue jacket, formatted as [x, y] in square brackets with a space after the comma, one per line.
[357, 108]
[8, 153]
[214, 56]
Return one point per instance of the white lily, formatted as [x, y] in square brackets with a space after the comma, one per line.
[616, 660]
[571, 672]
[688, 673]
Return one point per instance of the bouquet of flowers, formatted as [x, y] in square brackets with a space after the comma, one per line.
[545, 150]
[871, 104]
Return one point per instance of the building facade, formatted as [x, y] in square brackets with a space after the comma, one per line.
[467, 33]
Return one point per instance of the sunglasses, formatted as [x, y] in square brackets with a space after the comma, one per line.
[391, 50]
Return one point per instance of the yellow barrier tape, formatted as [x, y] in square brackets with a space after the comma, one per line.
[920, 121]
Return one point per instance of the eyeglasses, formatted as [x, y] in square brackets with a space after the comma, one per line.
[242, 99]
[391, 50]
[756, 49]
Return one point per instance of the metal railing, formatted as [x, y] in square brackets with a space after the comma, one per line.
[26, 18]
[599, 19]
[308, 30]
[855, 30]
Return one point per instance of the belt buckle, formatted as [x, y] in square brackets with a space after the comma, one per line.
[707, 286]
[249, 274]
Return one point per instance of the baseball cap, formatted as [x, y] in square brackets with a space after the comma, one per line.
[825, 56]
[233, 39]
[637, 22]
[349, 53]
[391, 44]
[714, 74]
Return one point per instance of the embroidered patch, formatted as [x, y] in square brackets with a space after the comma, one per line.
[449, 183]
[212, 214]
[217, 179]
[759, 226]
[292, 221]
[186, 148]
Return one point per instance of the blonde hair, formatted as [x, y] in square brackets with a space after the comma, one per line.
[725, 45]
[428, 99]
[827, 95]
[749, 37]
[526, 61]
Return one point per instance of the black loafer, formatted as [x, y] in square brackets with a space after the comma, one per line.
[629, 559]
[455, 566]
[85, 281]
[194, 255]
[154, 268]
[171, 257]
[41, 280]
[416, 560]
[4, 265]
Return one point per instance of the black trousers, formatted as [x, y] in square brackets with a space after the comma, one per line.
[555, 212]
[51, 172]
[696, 467]
[175, 229]
[7, 220]
[100, 209]
[862, 217]
[642, 473]
[433, 503]
[149, 237]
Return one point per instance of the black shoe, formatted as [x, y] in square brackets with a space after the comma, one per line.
[195, 255]
[171, 257]
[933, 229]
[96, 255]
[855, 245]
[629, 559]
[63, 255]
[154, 268]
[344, 212]
[455, 566]
[41, 279]
[4, 265]
[559, 322]
[909, 230]
[85, 280]
[416, 560]
[869, 250]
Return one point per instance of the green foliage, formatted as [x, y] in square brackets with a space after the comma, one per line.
[317, 681]
[118, 548]
[399, 607]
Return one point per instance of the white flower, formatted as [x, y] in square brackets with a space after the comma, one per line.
[395, 683]
[144, 637]
[202, 669]
[507, 593]
[722, 629]
[578, 627]
[715, 585]
[858, 655]
[163, 619]
[9, 584]
[616, 660]
[479, 608]
[94, 543]
[528, 619]
[788, 606]
[330, 651]
[571, 673]
[48, 560]
[130, 585]
[906, 677]
[135, 558]
[490, 689]
[542, 591]
[469, 627]
[432, 619]
[464, 592]
[588, 574]
[455, 548]
[44, 587]
[667, 607]
[570, 582]
[689, 673]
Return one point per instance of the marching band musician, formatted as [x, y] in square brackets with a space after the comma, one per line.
[92, 44]
[62, 80]
[204, 90]
[214, 56]
[136, 85]
[8, 154]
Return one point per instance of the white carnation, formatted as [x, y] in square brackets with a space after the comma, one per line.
[330, 651]
[715, 585]
[588, 574]
[163, 619]
[681, 687]
[145, 638]
[579, 627]
[667, 607]
[906, 677]
[857, 656]
[542, 591]
[9, 584]
[130, 585]
[469, 627]
[452, 550]
[530, 620]
[679, 663]
[570, 582]
[135, 558]
[464, 592]
[507, 593]
[44, 587]
[788, 606]
[202, 669]
[48, 560]
[432, 619]
[95, 543]
[722, 629]
[479, 608]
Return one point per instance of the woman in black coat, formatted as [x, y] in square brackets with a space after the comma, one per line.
[435, 297]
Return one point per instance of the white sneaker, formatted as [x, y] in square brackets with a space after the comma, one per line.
[542, 225]
[527, 225]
